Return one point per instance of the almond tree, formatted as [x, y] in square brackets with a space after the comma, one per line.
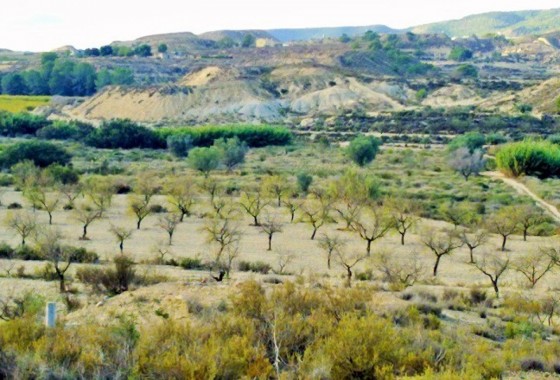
[140, 208]
[49, 243]
[503, 223]
[43, 200]
[224, 233]
[292, 204]
[253, 203]
[23, 223]
[330, 244]
[493, 266]
[441, 244]
[277, 187]
[404, 214]
[99, 190]
[467, 163]
[86, 214]
[399, 274]
[270, 226]
[535, 265]
[316, 214]
[182, 194]
[473, 240]
[372, 224]
[527, 217]
[169, 223]
[121, 234]
[348, 260]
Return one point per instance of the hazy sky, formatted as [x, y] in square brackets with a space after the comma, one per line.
[40, 25]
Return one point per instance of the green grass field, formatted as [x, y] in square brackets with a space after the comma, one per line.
[13, 103]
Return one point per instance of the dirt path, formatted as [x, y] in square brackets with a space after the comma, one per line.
[522, 189]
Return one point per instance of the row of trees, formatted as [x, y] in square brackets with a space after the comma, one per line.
[61, 76]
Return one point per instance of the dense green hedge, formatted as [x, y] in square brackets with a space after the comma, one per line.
[539, 158]
[126, 134]
[42, 154]
[252, 135]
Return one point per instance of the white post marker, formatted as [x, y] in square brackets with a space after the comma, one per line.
[50, 315]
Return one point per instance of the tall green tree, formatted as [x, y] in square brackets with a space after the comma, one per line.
[362, 150]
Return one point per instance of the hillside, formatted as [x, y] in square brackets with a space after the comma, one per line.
[511, 24]
[304, 34]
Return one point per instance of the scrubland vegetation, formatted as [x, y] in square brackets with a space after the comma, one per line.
[221, 255]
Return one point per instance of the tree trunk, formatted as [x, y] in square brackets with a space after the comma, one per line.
[504, 240]
[436, 265]
[525, 234]
[402, 237]
[85, 232]
[138, 224]
[495, 285]
[182, 216]
[23, 241]
[121, 246]
[471, 254]
[270, 242]
[369, 247]
[279, 201]
[329, 260]
[255, 221]
[293, 216]
[349, 277]
[170, 237]
[314, 233]
[50, 218]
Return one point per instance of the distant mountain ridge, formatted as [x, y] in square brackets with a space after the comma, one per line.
[511, 24]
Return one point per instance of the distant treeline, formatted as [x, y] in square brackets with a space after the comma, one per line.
[125, 134]
[62, 76]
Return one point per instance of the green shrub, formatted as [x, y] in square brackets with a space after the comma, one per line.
[42, 154]
[257, 267]
[253, 136]
[529, 157]
[124, 134]
[362, 150]
[193, 264]
[62, 130]
[471, 140]
[204, 159]
[304, 181]
[19, 124]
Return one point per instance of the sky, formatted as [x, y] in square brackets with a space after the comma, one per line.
[42, 25]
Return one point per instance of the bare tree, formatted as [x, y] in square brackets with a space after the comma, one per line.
[43, 200]
[253, 203]
[12, 307]
[535, 265]
[348, 260]
[349, 211]
[182, 194]
[316, 214]
[473, 240]
[71, 192]
[140, 207]
[49, 243]
[399, 274]
[212, 187]
[9, 263]
[292, 204]
[331, 244]
[223, 233]
[161, 251]
[86, 214]
[527, 217]
[270, 226]
[283, 260]
[503, 223]
[372, 224]
[169, 223]
[404, 214]
[121, 234]
[441, 244]
[276, 187]
[23, 223]
[467, 163]
[493, 266]
[100, 191]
